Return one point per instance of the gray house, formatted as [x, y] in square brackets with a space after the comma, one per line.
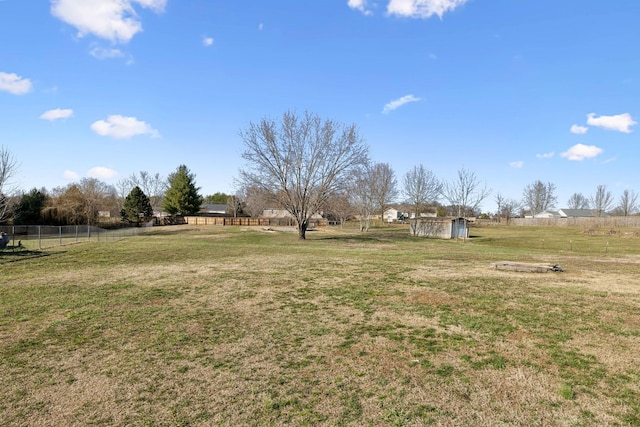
[213, 208]
[440, 227]
[577, 213]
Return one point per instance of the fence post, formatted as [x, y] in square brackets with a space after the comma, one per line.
[76, 233]
[39, 238]
[59, 235]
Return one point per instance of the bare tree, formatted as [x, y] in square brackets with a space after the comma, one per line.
[507, 207]
[80, 203]
[98, 196]
[301, 160]
[235, 204]
[338, 207]
[8, 169]
[578, 201]
[628, 204]
[385, 186]
[256, 200]
[363, 196]
[153, 186]
[602, 200]
[420, 188]
[465, 192]
[538, 197]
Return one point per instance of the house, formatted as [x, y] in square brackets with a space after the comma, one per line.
[577, 213]
[283, 213]
[213, 209]
[548, 214]
[439, 227]
[392, 214]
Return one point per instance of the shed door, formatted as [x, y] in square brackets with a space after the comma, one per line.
[459, 226]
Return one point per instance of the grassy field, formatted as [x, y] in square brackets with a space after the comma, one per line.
[235, 326]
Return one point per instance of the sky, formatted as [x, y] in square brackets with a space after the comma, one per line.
[513, 91]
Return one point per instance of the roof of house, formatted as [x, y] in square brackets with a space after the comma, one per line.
[547, 214]
[213, 207]
[577, 213]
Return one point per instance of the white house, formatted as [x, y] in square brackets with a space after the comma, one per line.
[547, 214]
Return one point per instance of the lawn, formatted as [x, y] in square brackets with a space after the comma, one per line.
[186, 326]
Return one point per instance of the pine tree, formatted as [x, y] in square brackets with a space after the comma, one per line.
[137, 207]
[182, 197]
[30, 207]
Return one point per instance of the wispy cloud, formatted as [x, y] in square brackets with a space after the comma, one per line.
[13, 83]
[517, 164]
[394, 105]
[422, 8]
[207, 41]
[101, 172]
[57, 114]
[100, 52]
[545, 155]
[120, 127]
[114, 20]
[619, 122]
[360, 5]
[579, 130]
[580, 152]
[260, 26]
[70, 175]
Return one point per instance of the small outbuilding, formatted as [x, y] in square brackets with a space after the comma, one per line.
[440, 227]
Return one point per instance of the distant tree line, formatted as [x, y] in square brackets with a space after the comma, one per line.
[301, 163]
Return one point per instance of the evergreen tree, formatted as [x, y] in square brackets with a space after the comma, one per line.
[182, 197]
[216, 199]
[137, 207]
[30, 207]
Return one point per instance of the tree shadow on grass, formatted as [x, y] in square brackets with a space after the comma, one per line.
[13, 254]
[370, 236]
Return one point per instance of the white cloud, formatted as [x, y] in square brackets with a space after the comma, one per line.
[422, 8]
[579, 130]
[120, 127]
[13, 83]
[106, 53]
[207, 41]
[70, 175]
[393, 105]
[517, 165]
[619, 122]
[545, 155]
[260, 26]
[360, 5]
[114, 20]
[580, 152]
[56, 114]
[101, 172]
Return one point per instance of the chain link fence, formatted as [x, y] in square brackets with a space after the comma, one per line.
[35, 237]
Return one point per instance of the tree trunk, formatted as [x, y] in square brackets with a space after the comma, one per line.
[302, 229]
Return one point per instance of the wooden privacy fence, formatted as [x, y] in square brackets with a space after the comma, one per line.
[605, 221]
[263, 222]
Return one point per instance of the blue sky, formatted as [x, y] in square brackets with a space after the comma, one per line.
[515, 91]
